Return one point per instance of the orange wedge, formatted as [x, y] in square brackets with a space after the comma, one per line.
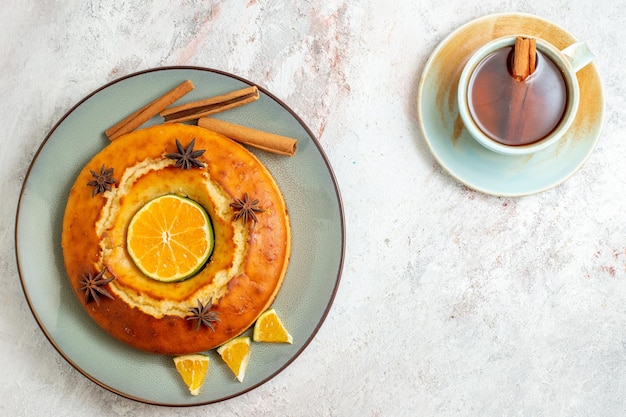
[269, 328]
[193, 369]
[236, 354]
[170, 238]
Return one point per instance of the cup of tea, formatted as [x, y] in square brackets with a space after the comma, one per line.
[518, 117]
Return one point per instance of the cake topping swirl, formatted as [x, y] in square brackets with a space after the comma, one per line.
[246, 209]
[93, 286]
[102, 180]
[186, 158]
[203, 315]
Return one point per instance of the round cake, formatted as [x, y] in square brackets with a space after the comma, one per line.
[250, 249]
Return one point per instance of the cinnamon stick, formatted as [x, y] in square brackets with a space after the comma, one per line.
[150, 110]
[257, 138]
[524, 58]
[202, 108]
[524, 63]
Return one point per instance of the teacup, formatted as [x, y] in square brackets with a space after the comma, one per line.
[550, 99]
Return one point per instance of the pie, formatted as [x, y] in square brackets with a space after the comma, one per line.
[252, 239]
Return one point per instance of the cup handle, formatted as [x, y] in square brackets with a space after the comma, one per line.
[578, 55]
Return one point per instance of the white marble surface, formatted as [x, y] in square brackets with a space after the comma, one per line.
[452, 303]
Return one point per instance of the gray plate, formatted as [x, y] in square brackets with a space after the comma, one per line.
[318, 229]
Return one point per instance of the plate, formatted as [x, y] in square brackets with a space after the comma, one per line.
[466, 160]
[308, 185]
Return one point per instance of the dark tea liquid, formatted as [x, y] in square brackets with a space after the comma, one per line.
[490, 99]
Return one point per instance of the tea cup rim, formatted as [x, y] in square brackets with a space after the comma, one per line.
[569, 76]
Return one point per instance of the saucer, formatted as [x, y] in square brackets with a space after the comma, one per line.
[464, 158]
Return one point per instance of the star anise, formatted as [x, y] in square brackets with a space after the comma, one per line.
[203, 315]
[186, 158]
[102, 181]
[93, 286]
[246, 209]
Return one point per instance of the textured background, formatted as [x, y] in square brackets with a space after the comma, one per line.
[452, 303]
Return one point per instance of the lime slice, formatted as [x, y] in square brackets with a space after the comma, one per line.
[170, 238]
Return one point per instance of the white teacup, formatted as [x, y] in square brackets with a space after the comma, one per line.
[568, 61]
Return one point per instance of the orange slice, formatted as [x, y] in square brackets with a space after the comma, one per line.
[193, 369]
[269, 328]
[170, 238]
[236, 354]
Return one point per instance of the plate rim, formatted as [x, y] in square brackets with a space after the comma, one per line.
[458, 177]
[342, 231]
